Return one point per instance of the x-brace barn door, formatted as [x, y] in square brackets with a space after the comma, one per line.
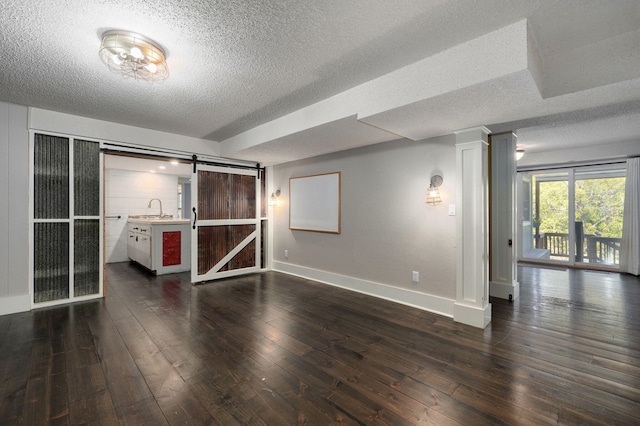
[225, 235]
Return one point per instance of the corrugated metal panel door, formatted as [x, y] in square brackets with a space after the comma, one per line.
[226, 223]
[66, 219]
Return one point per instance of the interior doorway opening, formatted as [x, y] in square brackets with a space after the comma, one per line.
[161, 190]
[130, 183]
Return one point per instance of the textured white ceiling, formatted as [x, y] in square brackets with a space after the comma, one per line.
[244, 72]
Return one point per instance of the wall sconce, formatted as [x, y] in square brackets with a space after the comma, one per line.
[273, 199]
[519, 154]
[433, 193]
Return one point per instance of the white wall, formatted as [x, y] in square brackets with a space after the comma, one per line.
[128, 193]
[388, 230]
[14, 208]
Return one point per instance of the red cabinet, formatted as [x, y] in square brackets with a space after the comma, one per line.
[167, 244]
[171, 248]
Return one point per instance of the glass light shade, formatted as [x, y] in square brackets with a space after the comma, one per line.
[274, 201]
[133, 55]
[519, 154]
[433, 196]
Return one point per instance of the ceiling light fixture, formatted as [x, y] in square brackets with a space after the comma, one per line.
[519, 154]
[133, 55]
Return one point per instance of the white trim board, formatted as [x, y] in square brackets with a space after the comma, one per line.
[503, 291]
[45, 121]
[434, 304]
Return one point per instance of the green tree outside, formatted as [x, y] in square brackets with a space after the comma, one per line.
[554, 207]
[599, 204]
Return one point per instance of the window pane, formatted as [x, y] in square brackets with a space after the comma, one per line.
[599, 208]
[552, 214]
[546, 235]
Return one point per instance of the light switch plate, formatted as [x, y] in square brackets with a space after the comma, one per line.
[452, 209]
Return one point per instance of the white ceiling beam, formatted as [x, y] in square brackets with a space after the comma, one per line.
[501, 53]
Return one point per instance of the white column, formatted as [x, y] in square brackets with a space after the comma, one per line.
[472, 305]
[504, 276]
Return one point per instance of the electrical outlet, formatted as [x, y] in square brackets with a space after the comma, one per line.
[286, 254]
[416, 276]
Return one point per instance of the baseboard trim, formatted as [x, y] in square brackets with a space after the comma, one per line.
[435, 304]
[502, 290]
[471, 315]
[15, 304]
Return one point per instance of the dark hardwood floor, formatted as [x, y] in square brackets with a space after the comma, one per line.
[271, 349]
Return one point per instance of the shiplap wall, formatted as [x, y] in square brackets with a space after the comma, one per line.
[128, 193]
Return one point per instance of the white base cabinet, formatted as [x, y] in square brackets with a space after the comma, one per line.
[160, 245]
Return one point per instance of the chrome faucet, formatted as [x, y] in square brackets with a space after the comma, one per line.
[159, 201]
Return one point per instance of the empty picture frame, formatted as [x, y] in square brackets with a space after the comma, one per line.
[314, 203]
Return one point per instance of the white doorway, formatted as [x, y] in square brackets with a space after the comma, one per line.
[130, 183]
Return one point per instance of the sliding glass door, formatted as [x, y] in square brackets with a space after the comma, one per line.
[599, 209]
[547, 231]
[572, 216]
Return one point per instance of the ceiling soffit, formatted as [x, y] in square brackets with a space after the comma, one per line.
[499, 77]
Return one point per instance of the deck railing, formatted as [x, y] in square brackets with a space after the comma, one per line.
[604, 250]
[556, 243]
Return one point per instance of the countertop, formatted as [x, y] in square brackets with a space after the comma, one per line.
[157, 221]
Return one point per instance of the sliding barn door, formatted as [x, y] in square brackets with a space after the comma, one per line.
[225, 235]
[66, 257]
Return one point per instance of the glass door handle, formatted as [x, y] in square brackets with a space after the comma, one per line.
[195, 218]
